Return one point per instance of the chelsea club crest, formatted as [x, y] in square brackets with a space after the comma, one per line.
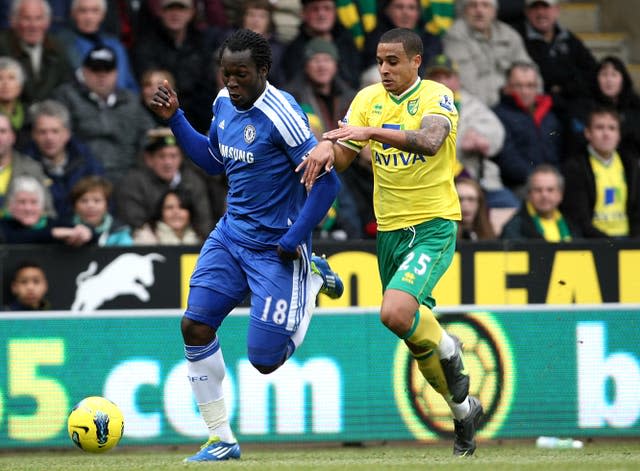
[249, 133]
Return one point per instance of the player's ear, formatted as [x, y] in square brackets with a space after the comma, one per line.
[417, 60]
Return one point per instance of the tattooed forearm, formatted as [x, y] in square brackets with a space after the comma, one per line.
[428, 139]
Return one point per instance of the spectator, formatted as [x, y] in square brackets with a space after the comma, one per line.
[325, 98]
[319, 20]
[257, 15]
[603, 182]
[109, 119]
[41, 57]
[400, 14]
[208, 13]
[149, 82]
[613, 88]
[533, 131]
[436, 17]
[323, 95]
[539, 216]
[65, 160]
[177, 46]
[11, 83]
[164, 168]
[84, 34]
[480, 135]
[90, 199]
[29, 287]
[511, 12]
[25, 220]
[484, 49]
[566, 65]
[475, 224]
[128, 20]
[13, 164]
[171, 222]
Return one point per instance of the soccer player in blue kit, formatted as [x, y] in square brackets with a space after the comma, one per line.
[262, 245]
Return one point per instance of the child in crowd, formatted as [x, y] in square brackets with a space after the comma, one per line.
[29, 287]
[90, 199]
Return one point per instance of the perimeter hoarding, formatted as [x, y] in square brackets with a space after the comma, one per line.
[496, 273]
[538, 371]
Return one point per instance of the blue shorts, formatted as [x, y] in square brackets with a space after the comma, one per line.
[279, 290]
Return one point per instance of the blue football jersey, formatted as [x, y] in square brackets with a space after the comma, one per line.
[260, 148]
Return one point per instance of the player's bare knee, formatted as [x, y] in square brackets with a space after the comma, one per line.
[394, 320]
[196, 333]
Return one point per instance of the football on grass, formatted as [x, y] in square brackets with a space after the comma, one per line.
[95, 424]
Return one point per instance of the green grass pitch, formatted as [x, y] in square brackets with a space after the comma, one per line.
[606, 455]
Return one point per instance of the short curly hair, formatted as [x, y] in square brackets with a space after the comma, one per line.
[243, 39]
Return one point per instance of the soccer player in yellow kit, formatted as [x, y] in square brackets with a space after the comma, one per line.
[410, 125]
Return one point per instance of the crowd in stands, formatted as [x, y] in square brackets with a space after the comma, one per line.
[548, 137]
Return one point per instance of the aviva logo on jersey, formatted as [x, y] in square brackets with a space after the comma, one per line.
[398, 159]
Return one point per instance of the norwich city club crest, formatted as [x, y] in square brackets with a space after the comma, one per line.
[412, 106]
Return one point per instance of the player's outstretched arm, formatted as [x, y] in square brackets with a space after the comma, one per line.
[427, 140]
[322, 159]
[166, 105]
[314, 209]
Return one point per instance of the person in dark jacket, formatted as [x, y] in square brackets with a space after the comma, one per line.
[533, 131]
[177, 46]
[603, 182]
[539, 216]
[65, 160]
[566, 65]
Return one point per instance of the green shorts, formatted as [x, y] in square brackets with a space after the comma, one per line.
[414, 259]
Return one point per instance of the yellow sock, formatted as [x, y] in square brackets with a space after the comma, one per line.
[426, 330]
[429, 366]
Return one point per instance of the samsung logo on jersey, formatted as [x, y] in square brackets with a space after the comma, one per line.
[400, 158]
[229, 152]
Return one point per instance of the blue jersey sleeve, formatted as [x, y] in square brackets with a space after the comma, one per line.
[195, 145]
[322, 194]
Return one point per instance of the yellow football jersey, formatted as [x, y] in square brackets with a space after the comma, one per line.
[409, 188]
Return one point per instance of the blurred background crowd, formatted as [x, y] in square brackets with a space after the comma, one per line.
[548, 137]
